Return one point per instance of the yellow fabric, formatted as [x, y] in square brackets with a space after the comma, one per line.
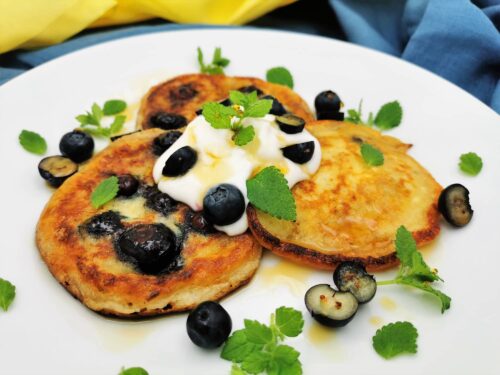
[36, 23]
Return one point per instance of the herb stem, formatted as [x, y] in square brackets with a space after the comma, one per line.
[387, 282]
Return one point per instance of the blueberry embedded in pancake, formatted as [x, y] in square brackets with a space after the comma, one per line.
[174, 103]
[141, 254]
[349, 210]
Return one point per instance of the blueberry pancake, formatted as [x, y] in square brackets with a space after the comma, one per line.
[349, 210]
[174, 103]
[142, 253]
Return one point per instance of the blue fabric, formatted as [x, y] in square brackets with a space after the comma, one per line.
[456, 39]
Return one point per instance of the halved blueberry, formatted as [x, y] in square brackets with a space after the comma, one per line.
[56, 169]
[330, 307]
[299, 153]
[352, 277]
[290, 123]
[224, 204]
[181, 161]
[277, 109]
[455, 206]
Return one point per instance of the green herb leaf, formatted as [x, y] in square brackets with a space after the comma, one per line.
[33, 142]
[471, 163]
[389, 116]
[260, 108]
[133, 371]
[113, 107]
[258, 333]
[104, 192]
[217, 115]
[218, 59]
[289, 321]
[244, 135]
[216, 66]
[238, 98]
[7, 294]
[237, 347]
[395, 338]
[256, 362]
[371, 155]
[287, 359]
[97, 113]
[353, 116]
[426, 287]
[268, 191]
[117, 124]
[280, 75]
[236, 370]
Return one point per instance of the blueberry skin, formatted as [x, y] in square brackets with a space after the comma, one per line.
[181, 161]
[127, 185]
[277, 109]
[330, 115]
[104, 224]
[167, 121]
[164, 141]
[223, 205]
[327, 101]
[77, 145]
[299, 153]
[152, 246]
[208, 325]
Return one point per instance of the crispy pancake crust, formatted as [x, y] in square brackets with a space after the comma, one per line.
[349, 210]
[89, 267]
[185, 94]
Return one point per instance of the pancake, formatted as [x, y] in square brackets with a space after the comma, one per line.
[349, 210]
[185, 94]
[92, 268]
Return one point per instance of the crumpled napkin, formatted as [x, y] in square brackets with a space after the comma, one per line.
[36, 23]
[456, 39]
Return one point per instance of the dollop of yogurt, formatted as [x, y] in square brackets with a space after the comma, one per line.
[220, 160]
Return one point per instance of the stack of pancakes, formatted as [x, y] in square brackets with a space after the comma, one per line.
[346, 211]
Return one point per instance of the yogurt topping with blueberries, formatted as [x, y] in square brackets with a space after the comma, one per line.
[206, 170]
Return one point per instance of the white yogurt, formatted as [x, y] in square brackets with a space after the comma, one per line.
[221, 161]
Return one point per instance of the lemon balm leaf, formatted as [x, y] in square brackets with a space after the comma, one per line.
[104, 192]
[244, 135]
[33, 142]
[113, 107]
[371, 155]
[7, 294]
[133, 371]
[289, 321]
[280, 75]
[389, 116]
[471, 163]
[395, 338]
[268, 191]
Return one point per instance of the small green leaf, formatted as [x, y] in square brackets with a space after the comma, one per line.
[258, 333]
[200, 59]
[216, 66]
[113, 107]
[97, 112]
[238, 98]
[237, 347]
[395, 338]
[236, 370]
[256, 362]
[7, 294]
[471, 163]
[280, 75]
[268, 191]
[117, 124]
[244, 135]
[258, 109]
[83, 119]
[389, 116]
[371, 155]
[133, 371]
[104, 192]
[289, 321]
[218, 60]
[426, 287]
[218, 115]
[33, 142]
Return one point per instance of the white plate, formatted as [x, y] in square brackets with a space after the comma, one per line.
[46, 331]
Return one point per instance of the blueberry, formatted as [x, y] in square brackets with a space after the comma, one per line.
[104, 224]
[455, 206]
[163, 142]
[77, 145]
[327, 101]
[329, 306]
[127, 185]
[290, 124]
[277, 109]
[167, 121]
[160, 202]
[181, 161]
[223, 205]
[196, 222]
[152, 246]
[299, 153]
[352, 277]
[208, 325]
[330, 115]
[250, 89]
[56, 169]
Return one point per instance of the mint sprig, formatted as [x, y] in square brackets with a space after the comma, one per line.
[280, 75]
[258, 348]
[471, 163]
[7, 294]
[395, 338]
[91, 121]
[33, 142]
[388, 116]
[413, 270]
[104, 192]
[244, 106]
[268, 191]
[216, 66]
